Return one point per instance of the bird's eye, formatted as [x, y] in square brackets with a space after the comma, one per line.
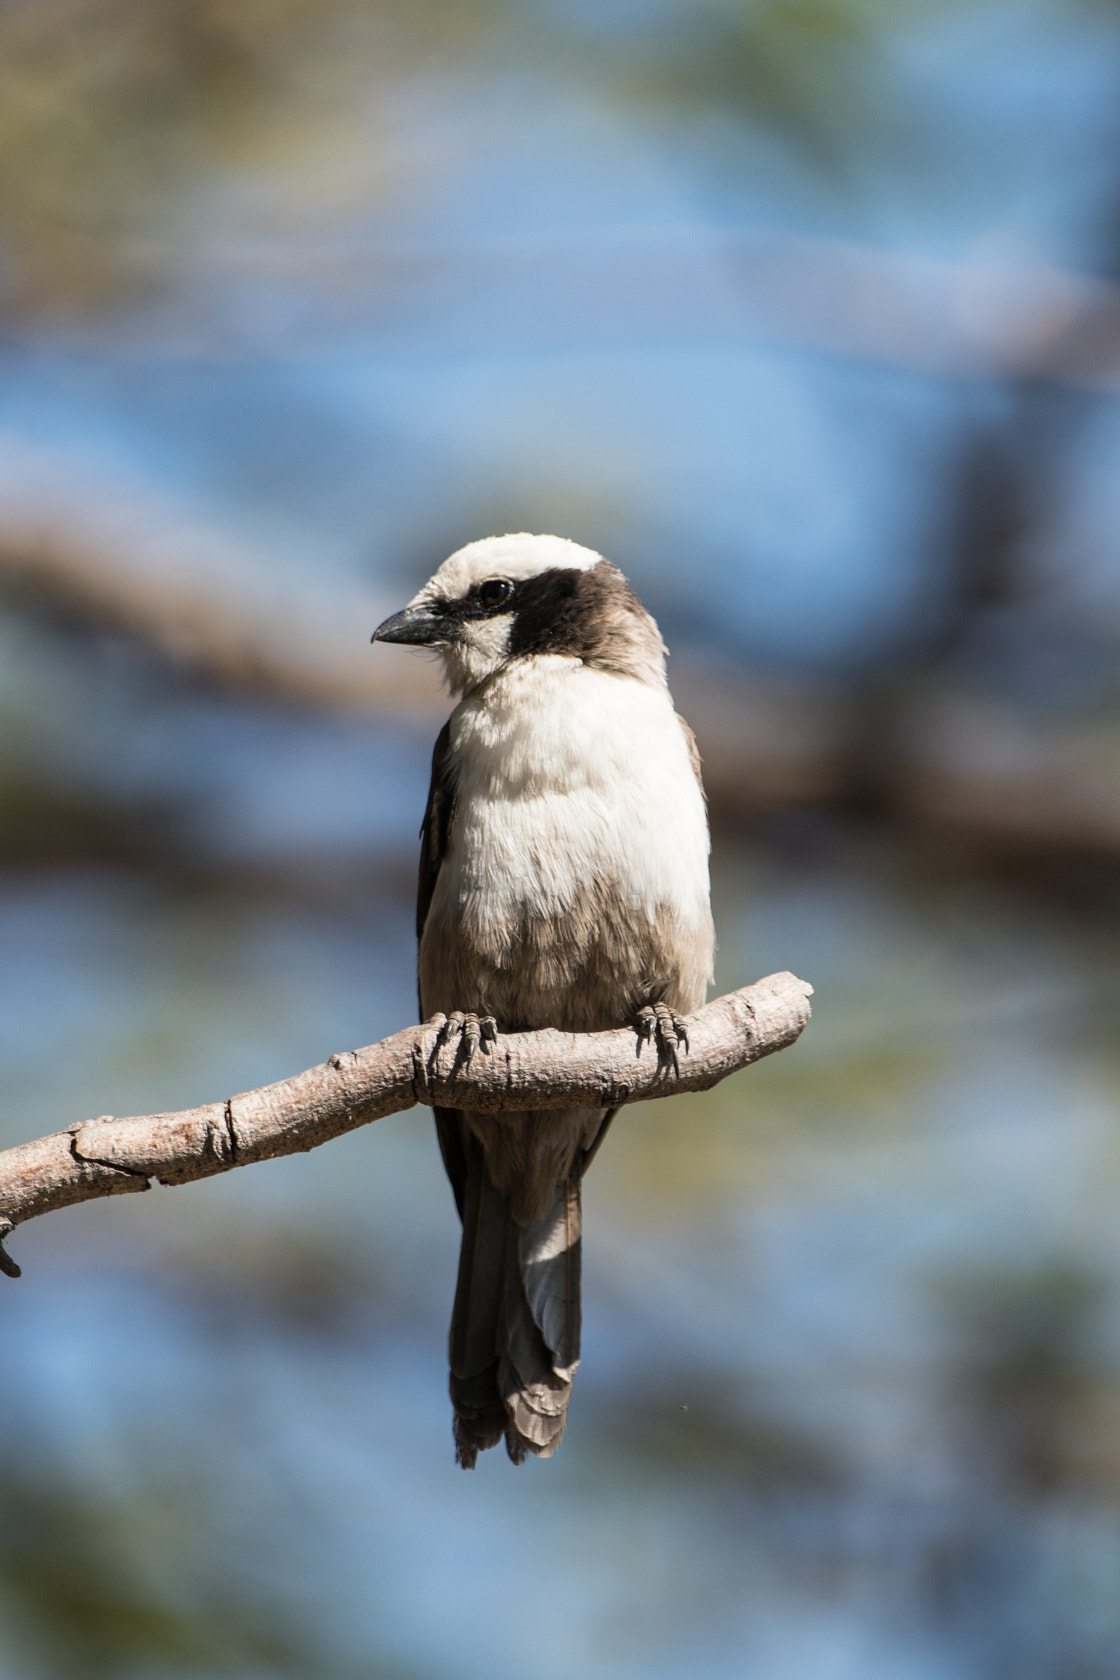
[494, 591]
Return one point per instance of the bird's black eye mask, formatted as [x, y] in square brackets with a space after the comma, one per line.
[429, 623]
[483, 600]
[535, 603]
[554, 612]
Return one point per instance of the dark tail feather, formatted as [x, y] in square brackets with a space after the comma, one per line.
[541, 1324]
[514, 1344]
[480, 1418]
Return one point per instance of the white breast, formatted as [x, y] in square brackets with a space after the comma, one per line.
[568, 775]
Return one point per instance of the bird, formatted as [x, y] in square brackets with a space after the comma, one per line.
[563, 883]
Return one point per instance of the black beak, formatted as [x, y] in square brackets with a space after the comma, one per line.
[420, 626]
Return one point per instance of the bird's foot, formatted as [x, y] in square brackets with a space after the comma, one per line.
[659, 1024]
[467, 1032]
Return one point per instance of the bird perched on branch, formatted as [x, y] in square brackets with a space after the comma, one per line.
[563, 883]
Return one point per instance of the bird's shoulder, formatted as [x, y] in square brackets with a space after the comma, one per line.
[693, 751]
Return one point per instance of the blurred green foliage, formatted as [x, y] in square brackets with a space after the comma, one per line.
[112, 112]
[814, 73]
[85, 1600]
[119, 117]
[116, 116]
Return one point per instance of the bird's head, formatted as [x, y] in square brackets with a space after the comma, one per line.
[521, 597]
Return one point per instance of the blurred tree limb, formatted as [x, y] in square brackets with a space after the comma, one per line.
[921, 747]
[106, 555]
[535, 1070]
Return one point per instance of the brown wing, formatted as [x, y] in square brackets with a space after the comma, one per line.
[435, 834]
[693, 753]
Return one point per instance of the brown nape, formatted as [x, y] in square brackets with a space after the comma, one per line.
[590, 615]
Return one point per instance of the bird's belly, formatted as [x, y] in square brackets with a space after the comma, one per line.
[563, 910]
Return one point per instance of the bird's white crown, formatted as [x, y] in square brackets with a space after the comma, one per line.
[517, 556]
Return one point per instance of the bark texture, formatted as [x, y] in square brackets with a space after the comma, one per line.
[112, 1157]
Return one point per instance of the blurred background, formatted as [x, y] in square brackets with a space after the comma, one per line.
[807, 314]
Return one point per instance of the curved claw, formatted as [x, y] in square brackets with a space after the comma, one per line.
[7, 1264]
[666, 1028]
[672, 1027]
[450, 1026]
[472, 1032]
[645, 1024]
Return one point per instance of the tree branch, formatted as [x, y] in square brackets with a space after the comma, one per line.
[109, 1157]
[111, 555]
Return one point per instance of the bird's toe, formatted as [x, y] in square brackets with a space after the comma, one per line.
[468, 1032]
[663, 1026]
